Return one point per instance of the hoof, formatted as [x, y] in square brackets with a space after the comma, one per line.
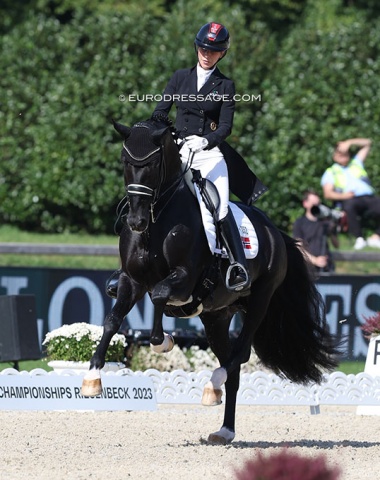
[166, 346]
[211, 396]
[223, 437]
[91, 388]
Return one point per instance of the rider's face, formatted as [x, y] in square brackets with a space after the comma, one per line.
[208, 58]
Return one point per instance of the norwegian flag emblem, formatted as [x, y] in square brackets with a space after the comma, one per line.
[214, 30]
[246, 243]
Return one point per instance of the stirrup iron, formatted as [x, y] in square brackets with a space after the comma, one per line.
[237, 287]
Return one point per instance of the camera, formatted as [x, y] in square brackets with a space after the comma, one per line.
[322, 213]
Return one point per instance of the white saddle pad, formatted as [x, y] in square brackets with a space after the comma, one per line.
[247, 231]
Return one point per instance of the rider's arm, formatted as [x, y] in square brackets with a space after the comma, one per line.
[226, 117]
[167, 99]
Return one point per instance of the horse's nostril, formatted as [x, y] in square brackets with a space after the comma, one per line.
[138, 225]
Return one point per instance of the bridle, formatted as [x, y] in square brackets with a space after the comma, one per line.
[138, 189]
[157, 195]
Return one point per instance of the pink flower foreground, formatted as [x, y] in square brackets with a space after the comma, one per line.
[372, 325]
[286, 465]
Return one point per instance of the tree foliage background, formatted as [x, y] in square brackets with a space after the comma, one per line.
[65, 64]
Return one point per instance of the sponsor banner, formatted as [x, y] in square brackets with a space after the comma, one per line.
[372, 367]
[62, 392]
[65, 296]
[349, 299]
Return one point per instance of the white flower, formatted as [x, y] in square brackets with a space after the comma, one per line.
[78, 342]
[193, 359]
[80, 330]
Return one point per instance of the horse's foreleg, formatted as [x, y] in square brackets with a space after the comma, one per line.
[160, 342]
[173, 288]
[91, 385]
[166, 346]
[127, 297]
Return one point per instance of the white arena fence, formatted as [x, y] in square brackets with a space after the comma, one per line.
[258, 388]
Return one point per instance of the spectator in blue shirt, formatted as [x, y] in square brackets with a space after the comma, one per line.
[346, 183]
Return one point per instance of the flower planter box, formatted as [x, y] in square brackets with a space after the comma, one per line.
[76, 344]
[60, 366]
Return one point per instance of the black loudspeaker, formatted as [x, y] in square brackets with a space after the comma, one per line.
[18, 328]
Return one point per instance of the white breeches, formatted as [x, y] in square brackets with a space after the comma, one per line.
[212, 166]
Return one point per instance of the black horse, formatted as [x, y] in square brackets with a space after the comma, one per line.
[164, 252]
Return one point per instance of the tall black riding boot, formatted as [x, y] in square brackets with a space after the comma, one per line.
[237, 277]
[112, 284]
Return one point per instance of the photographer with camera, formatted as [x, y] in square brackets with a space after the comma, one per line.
[313, 229]
[346, 183]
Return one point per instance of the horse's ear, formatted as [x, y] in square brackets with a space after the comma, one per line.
[157, 135]
[122, 129]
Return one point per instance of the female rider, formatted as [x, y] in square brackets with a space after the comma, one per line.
[205, 104]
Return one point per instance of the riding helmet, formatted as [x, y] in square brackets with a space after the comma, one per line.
[213, 36]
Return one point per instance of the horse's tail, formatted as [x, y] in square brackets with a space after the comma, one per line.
[293, 339]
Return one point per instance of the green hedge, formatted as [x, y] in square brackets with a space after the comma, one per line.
[60, 156]
[324, 88]
[60, 168]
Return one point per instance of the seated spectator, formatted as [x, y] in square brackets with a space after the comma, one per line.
[346, 183]
[313, 233]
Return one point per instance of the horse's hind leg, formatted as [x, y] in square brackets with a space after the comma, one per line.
[231, 356]
[217, 331]
[227, 432]
[258, 304]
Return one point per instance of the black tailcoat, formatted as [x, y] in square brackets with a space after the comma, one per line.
[209, 113]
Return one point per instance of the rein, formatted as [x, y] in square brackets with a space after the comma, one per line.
[175, 187]
[175, 184]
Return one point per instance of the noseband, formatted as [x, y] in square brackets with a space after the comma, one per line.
[137, 189]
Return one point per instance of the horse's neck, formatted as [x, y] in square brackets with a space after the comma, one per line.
[173, 171]
[172, 160]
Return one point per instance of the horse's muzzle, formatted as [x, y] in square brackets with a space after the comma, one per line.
[137, 225]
